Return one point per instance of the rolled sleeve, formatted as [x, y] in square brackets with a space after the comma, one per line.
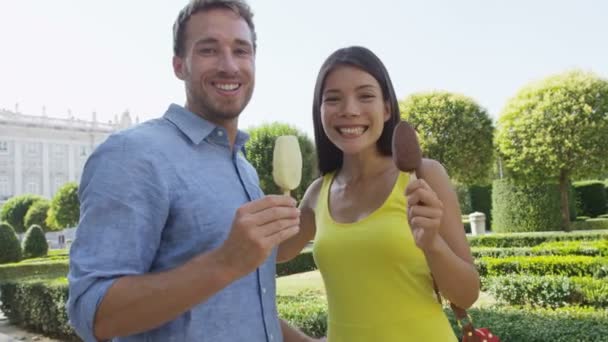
[124, 204]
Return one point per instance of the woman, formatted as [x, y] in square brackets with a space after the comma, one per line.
[377, 275]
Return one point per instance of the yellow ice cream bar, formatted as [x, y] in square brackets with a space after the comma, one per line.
[287, 163]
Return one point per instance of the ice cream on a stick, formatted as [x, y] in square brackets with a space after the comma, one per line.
[287, 163]
[407, 155]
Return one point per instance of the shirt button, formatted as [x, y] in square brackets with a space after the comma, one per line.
[263, 290]
[220, 133]
[271, 337]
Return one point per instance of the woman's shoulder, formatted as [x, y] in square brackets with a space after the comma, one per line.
[432, 168]
[309, 201]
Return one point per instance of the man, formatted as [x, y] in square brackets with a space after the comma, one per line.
[176, 241]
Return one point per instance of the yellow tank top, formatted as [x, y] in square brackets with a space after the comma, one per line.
[378, 283]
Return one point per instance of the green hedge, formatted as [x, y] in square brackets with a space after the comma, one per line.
[35, 267]
[304, 262]
[10, 248]
[533, 239]
[598, 223]
[589, 248]
[526, 208]
[38, 305]
[590, 198]
[568, 265]
[308, 312]
[549, 291]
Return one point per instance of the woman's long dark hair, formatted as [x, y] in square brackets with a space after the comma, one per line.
[329, 156]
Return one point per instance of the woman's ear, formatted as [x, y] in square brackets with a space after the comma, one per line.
[387, 111]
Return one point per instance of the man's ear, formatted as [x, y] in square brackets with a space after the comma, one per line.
[178, 67]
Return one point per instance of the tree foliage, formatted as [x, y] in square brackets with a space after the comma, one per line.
[14, 210]
[65, 207]
[260, 149]
[556, 130]
[454, 130]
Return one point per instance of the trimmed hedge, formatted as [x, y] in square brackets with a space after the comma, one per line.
[549, 291]
[34, 243]
[34, 267]
[590, 198]
[526, 208]
[569, 265]
[533, 239]
[304, 262]
[598, 223]
[10, 249]
[38, 305]
[589, 248]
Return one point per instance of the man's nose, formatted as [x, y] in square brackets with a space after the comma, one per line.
[227, 63]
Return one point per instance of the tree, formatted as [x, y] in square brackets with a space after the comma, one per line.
[556, 130]
[454, 130]
[10, 249]
[260, 148]
[14, 210]
[37, 213]
[65, 207]
[34, 243]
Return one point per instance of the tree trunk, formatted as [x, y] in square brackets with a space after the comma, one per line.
[563, 189]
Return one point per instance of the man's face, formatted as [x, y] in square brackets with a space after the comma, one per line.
[218, 64]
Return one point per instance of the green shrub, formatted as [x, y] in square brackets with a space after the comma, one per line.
[34, 243]
[307, 310]
[35, 268]
[549, 291]
[38, 305]
[481, 201]
[36, 214]
[65, 207]
[14, 210]
[10, 249]
[589, 248]
[304, 262]
[533, 239]
[568, 265]
[590, 198]
[464, 198]
[260, 149]
[598, 223]
[522, 324]
[525, 208]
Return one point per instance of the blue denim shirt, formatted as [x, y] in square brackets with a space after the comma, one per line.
[151, 198]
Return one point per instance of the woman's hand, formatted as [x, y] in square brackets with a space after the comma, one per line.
[424, 212]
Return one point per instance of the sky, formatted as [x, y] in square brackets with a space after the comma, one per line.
[83, 56]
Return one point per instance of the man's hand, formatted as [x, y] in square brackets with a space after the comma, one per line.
[258, 227]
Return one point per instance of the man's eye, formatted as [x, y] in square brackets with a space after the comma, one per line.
[206, 51]
[330, 99]
[242, 52]
[367, 96]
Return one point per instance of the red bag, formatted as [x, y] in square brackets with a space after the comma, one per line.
[469, 333]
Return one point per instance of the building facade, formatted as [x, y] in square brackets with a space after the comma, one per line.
[39, 154]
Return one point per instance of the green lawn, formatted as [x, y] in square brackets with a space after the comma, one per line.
[312, 281]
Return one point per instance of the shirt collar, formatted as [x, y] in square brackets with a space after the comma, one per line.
[197, 128]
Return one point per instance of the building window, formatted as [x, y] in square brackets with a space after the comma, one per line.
[58, 183]
[5, 190]
[32, 188]
[83, 151]
[58, 150]
[32, 148]
[3, 146]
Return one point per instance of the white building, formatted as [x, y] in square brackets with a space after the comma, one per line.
[38, 154]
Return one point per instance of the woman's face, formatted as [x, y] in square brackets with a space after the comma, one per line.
[353, 110]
